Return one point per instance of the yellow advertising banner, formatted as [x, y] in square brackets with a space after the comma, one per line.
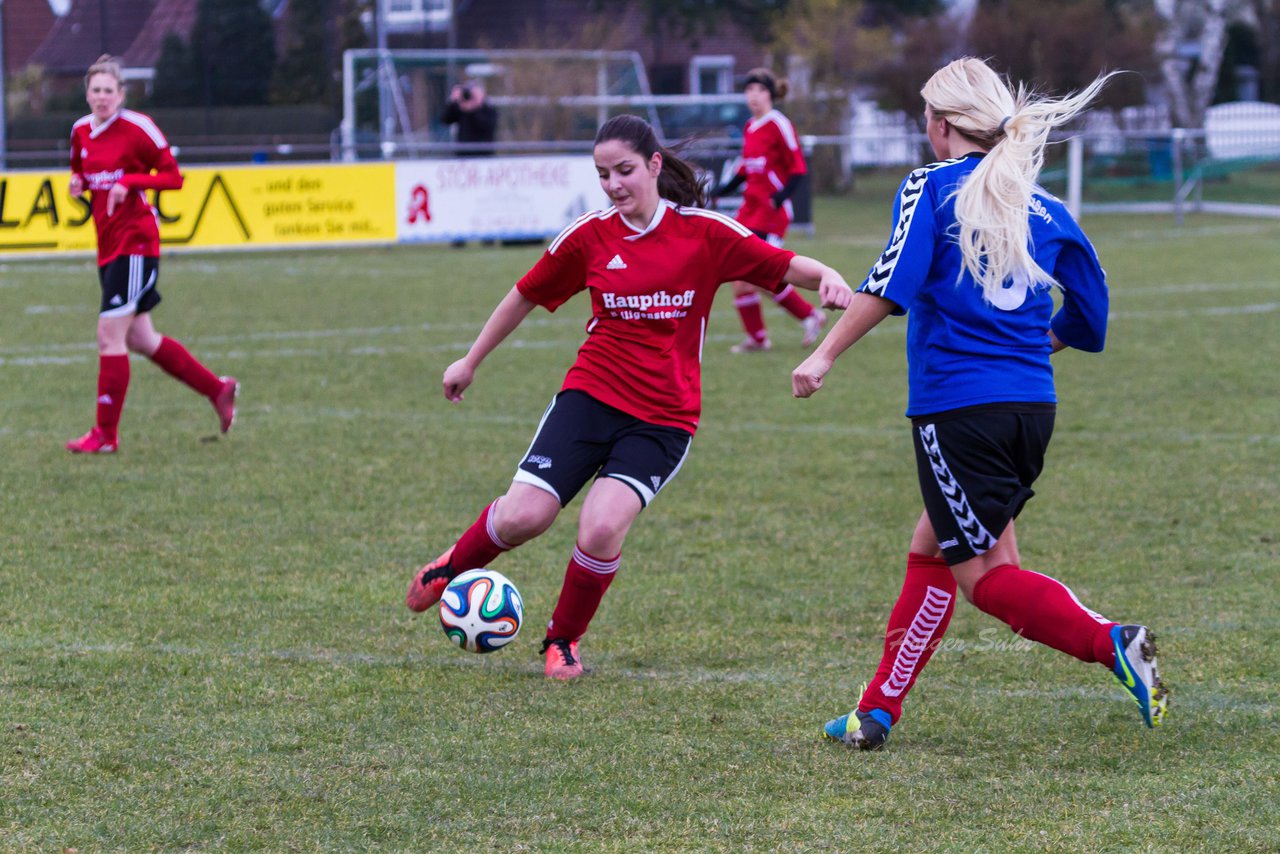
[37, 215]
[217, 208]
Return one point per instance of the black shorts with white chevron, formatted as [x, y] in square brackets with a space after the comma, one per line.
[976, 466]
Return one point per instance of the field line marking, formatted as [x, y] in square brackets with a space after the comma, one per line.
[28, 356]
[577, 322]
[1198, 287]
[1202, 311]
[1182, 233]
[691, 676]
[305, 334]
[714, 424]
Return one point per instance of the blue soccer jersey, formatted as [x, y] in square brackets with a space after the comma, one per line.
[961, 349]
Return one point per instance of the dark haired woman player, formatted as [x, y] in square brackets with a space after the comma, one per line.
[629, 406]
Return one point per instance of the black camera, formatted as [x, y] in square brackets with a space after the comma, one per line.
[466, 93]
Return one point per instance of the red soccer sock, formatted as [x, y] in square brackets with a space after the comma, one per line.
[796, 305]
[1045, 610]
[752, 316]
[918, 621]
[479, 544]
[113, 384]
[178, 363]
[585, 581]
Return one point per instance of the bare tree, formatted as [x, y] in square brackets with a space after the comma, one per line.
[1268, 12]
[1203, 23]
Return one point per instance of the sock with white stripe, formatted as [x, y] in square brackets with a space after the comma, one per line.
[177, 362]
[479, 544]
[917, 623]
[797, 306]
[585, 581]
[1045, 610]
[752, 316]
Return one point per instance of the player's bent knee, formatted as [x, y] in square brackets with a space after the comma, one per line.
[142, 345]
[112, 340]
[521, 518]
[967, 578]
[601, 544]
[602, 535]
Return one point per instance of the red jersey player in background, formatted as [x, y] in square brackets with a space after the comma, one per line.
[772, 168]
[117, 155]
[629, 406]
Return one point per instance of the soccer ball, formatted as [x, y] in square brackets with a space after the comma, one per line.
[481, 610]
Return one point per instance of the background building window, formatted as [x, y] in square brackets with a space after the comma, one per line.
[711, 75]
[416, 14]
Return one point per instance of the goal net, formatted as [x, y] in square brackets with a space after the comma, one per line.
[547, 100]
[1231, 167]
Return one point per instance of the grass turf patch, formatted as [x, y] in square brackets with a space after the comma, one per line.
[205, 644]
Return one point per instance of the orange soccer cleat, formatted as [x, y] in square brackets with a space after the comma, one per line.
[429, 583]
[563, 661]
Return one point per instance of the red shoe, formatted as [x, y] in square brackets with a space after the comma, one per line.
[562, 659]
[225, 402]
[429, 583]
[93, 442]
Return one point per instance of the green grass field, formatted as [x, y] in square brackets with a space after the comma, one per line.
[204, 646]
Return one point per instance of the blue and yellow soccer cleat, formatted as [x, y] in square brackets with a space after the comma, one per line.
[1136, 669]
[871, 734]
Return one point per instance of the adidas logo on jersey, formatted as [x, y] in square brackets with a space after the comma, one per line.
[616, 264]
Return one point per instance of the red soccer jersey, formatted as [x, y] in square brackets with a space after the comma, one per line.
[125, 149]
[651, 292]
[770, 156]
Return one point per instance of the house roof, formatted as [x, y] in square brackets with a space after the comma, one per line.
[89, 29]
[168, 16]
[26, 23]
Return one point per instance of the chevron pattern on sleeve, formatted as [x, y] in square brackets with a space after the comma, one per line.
[912, 189]
[980, 539]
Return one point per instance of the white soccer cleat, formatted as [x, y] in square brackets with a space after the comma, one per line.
[813, 326]
[752, 345]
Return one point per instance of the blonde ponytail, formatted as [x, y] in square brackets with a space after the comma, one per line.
[992, 205]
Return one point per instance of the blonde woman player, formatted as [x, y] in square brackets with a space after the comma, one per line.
[117, 155]
[975, 250]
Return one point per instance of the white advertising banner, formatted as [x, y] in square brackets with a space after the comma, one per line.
[499, 198]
